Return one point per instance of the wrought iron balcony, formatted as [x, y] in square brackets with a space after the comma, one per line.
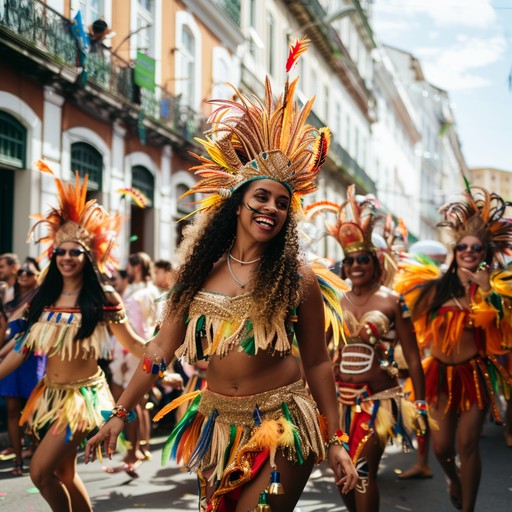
[342, 160]
[31, 30]
[231, 8]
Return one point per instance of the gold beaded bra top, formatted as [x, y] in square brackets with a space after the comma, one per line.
[54, 334]
[370, 328]
[218, 323]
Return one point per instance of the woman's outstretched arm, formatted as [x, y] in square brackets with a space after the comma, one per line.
[161, 348]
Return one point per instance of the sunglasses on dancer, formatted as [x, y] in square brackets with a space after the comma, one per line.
[473, 247]
[362, 259]
[27, 271]
[74, 253]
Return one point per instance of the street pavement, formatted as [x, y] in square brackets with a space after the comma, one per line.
[171, 489]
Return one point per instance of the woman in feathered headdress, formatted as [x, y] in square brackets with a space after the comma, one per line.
[241, 294]
[371, 399]
[68, 320]
[464, 317]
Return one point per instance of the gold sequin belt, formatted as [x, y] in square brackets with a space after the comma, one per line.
[240, 409]
[93, 380]
[350, 395]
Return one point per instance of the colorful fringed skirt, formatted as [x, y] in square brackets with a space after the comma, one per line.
[73, 407]
[477, 381]
[227, 439]
[386, 413]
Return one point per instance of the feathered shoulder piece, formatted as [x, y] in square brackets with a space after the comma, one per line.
[78, 220]
[251, 139]
[355, 220]
[480, 213]
[333, 288]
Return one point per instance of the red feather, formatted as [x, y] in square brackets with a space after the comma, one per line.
[296, 50]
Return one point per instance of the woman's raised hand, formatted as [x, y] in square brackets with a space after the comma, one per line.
[107, 435]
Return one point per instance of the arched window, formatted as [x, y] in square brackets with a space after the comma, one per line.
[142, 220]
[188, 49]
[87, 160]
[13, 141]
[143, 180]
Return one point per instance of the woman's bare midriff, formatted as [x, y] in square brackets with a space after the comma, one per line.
[240, 374]
[64, 372]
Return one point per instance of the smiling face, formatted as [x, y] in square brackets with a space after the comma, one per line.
[264, 209]
[359, 267]
[71, 262]
[469, 253]
[27, 276]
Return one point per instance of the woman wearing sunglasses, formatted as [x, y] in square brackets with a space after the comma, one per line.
[463, 317]
[18, 385]
[67, 320]
[371, 399]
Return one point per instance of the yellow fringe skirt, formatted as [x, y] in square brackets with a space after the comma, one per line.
[73, 407]
[229, 438]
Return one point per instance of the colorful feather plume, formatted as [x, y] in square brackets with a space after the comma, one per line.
[78, 220]
[252, 139]
[480, 213]
[135, 194]
[296, 50]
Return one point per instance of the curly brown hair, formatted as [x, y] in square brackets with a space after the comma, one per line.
[277, 284]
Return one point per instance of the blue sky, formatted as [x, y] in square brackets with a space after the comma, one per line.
[465, 47]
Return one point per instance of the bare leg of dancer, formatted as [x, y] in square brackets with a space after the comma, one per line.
[444, 448]
[53, 471]
[14, 406]
[468, 438]
[365, 497]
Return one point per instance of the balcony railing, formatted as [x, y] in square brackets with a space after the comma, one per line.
[38, 27]
[231, 8]
[344, 161]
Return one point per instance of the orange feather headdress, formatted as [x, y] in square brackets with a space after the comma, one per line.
[251, 139]
[355, 221]
[480, 213]
[78, 220]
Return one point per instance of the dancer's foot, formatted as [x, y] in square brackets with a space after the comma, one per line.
[17, 470]
[416, 473]
[129, 468]
[455, 493]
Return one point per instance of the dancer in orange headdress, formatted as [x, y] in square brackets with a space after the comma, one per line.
[67, 320]
[242, 293]
[372, 403]
[464, 316]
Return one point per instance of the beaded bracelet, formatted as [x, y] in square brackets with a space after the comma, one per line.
[421, 407]
[120, 412]
[338, 438]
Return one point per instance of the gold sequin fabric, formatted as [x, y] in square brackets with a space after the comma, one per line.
[221, 323]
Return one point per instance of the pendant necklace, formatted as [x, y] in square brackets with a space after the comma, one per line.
[75, 292]
[233, 275]
[373, 289]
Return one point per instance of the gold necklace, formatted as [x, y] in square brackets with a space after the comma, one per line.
[242, 262]
[373, 289]
[233, 275]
